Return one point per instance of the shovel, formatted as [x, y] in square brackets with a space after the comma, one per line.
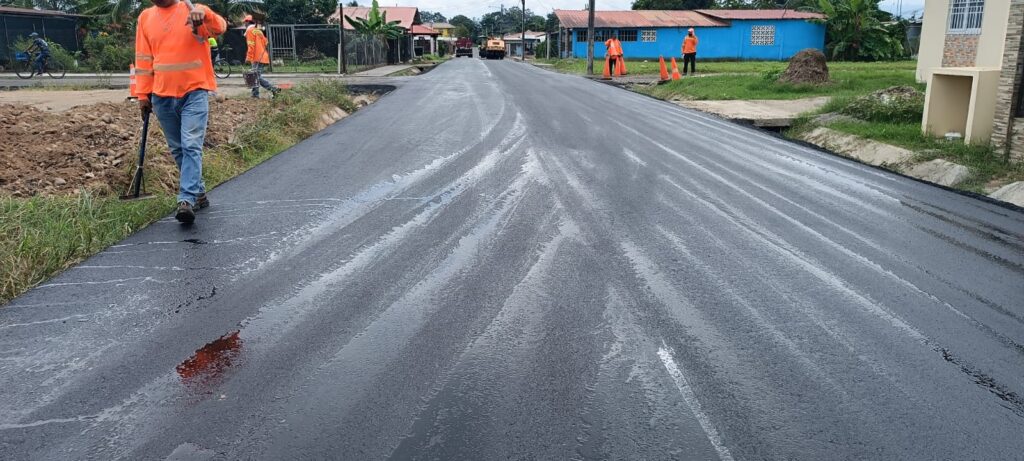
[135, 191]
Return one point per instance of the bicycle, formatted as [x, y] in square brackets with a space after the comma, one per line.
[221, 66]
[25, 66]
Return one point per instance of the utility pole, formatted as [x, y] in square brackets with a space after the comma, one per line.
[524, 30]
[343, 55]
[590, 39]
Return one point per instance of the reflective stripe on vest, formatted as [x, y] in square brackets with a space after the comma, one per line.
[178, 67]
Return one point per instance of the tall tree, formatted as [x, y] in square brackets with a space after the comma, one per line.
[299, 11]
[465, 27]
[430, 16]
[855, 31]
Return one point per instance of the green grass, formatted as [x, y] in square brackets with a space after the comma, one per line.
[651, 66]
[847, 81]
[986, 165]
[41, 236]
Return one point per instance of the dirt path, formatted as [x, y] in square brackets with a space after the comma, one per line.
[61, 101]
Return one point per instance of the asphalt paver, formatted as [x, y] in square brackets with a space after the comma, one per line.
[495, 261]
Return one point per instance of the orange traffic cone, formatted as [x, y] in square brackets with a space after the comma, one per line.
[615, 68]
[675, 70]
[622, 65]
[607, 73]
[664, 70]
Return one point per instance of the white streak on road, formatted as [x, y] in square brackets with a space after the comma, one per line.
[691, 399]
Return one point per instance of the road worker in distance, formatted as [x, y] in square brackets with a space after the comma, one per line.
[690, 51]
[257, 54]
[613, 47]
[174, 77]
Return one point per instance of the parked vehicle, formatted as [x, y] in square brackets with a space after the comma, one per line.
[494, 49]
[464, 47]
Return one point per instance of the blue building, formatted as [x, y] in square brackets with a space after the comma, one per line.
[722, 34]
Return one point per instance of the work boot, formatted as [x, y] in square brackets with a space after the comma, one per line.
[202, 202]
[274, 91]
[185, 215]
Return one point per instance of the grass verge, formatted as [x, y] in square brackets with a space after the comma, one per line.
[848, 80]
[986, 165]
[42, 236]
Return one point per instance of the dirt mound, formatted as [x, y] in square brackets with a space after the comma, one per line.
[807, 66]
[94, 147]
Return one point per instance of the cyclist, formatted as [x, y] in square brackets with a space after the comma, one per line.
[214, 51]
[44, 51]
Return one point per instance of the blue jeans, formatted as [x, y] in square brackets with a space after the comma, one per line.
[40, 59]
[258, 68]
[184, 123]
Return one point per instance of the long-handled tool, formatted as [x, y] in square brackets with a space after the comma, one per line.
[136, 192]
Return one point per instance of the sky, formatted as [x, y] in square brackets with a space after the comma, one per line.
[477, 8]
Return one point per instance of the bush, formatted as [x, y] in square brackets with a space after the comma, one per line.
[886, 106]
[57, 52]
[109, 53]
[331, 92]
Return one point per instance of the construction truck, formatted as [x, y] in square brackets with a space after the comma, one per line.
[464, 47]
[493, 49]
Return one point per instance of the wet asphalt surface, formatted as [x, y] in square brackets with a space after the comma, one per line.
[499, 262]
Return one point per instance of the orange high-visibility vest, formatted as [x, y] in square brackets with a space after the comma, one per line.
[169, 60]
[256, 44]
[613, 47]
[690, 44]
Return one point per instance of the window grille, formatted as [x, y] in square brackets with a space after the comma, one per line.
[649, 35]
[628, 35]
[762, 35]
[581, 35]
[602, 35]
[965, 16]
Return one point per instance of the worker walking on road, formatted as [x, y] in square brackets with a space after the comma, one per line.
[257, 54]
[174, 77]
[690, 52]
[44, 51]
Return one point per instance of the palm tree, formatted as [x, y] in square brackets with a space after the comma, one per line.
[856, 31]
[375, 30]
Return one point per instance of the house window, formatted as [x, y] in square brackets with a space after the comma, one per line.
[762, 35]
[627, 35]
[581, 35]
[965, 16]
[602, 35]
[649, 35]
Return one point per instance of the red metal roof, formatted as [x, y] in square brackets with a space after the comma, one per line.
[406, 15]
[423, 30]
[761, 14]
[35, 12]
[574, 19]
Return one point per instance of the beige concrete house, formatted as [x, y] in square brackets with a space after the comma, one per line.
[970, 57]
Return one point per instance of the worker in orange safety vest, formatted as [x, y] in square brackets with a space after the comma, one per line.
[174, 77]
[257, 54]
[690, 52]
[614, 51]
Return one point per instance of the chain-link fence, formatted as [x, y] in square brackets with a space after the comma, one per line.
[314, 48]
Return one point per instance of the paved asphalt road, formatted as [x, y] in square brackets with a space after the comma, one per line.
[499, 262]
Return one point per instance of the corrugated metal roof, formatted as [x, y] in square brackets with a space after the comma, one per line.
[35, 12]
[423, 30]
[574, 19]
[530, 35]
[406, 15]
[761, 14]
